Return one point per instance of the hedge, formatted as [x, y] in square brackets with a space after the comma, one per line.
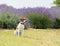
[40, 20]
[9, 21]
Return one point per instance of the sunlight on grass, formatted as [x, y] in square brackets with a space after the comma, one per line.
[32, 37]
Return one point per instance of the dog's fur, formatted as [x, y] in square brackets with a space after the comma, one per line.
[20, 28]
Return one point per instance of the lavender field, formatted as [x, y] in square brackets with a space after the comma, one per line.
[52, 12]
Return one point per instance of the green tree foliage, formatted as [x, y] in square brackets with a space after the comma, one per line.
[8, 21]
[39, 20]
[57, 23]
[57, 2]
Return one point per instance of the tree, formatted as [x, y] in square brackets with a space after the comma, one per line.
[39, 20]
[57, 2]
[9, 21]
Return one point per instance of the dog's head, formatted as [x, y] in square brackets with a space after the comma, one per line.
[22, 20]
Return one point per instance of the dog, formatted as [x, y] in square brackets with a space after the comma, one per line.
[20, 28]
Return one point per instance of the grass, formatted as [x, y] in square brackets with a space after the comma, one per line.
[32, 37]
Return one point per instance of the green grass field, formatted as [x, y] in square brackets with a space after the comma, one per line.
[32, 37]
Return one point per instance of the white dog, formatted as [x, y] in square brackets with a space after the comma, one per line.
[20, 28]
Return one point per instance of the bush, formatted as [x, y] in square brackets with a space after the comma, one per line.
[57, 23]
[39, 20]
[8, 21]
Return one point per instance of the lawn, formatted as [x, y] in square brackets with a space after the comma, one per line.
[32, 37]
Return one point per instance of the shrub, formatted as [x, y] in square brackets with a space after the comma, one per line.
[8, 21]
[57, 23]
[39, 20]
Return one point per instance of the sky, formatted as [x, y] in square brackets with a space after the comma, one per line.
[28, 3]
